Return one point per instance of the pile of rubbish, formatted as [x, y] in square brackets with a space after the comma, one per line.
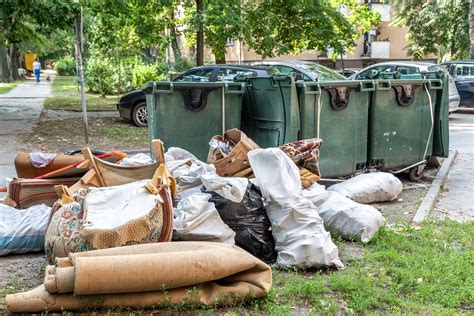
[130, 223]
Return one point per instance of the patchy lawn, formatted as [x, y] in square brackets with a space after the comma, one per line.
[427, 270]
[67, 97]
[107, 133]
[405, 270]
[6, 87]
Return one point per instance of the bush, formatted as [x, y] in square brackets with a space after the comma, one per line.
[100, 75]
[184, 64]
[66, 66]
[145, 73]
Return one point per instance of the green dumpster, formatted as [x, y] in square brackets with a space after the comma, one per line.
[188, 114]
[270, 113]
[401, 122]
[337, 112]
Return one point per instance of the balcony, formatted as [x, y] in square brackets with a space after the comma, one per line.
[380, 50]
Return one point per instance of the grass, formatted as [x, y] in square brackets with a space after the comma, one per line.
[108, 133]
[404, 271]
[67, 97]
[6, 87]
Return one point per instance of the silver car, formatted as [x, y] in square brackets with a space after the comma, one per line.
[409, 68]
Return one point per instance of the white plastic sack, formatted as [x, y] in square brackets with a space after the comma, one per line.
[351, 220]
[300, 237]
[139, 159]
[370, 187]
[23, 231]
[196, 219]
[230, 188]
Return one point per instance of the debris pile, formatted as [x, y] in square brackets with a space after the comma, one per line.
[233, 215]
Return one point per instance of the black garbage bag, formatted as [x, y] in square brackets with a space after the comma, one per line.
[249, 221]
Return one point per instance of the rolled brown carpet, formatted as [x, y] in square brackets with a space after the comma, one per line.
[149, 275]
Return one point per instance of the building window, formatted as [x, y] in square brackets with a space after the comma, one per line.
[230, 42]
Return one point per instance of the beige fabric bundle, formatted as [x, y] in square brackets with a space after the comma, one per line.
[148, 275]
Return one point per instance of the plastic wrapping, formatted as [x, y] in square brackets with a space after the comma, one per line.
[196, 219]
[249, 221]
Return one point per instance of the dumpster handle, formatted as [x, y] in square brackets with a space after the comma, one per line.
[366, 86]
[409, 167]
[318, 98]
[224, 88]
[309, 91]
[384, 85]
[435, 84]
[432, 120]
[170, 90]
[230, 91]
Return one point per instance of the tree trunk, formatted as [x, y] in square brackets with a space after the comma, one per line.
[200, 34]
[471, 26]
[5, 73]
[453, 48]
[174, 37]
[14, 61]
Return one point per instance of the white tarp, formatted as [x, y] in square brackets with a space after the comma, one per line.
[23, 231]
[196, 219]
[300, 237]
[370, 187]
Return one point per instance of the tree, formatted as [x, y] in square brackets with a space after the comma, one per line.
[435, 26]
[276, 27]
[26, 21]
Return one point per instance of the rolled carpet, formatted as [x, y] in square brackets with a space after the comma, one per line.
[150, 275]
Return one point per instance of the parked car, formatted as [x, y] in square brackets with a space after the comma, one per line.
[132, 106]
[347, 72]
[408, 69]
[463, 74]
[304, 70]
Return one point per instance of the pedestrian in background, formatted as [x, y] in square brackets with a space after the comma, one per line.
[37, 69]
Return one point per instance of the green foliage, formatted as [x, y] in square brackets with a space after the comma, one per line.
[277, 27]
[435, 26]
[66, 66]
[183, 64]
[220, 20]
[99, 76]
[145, 73]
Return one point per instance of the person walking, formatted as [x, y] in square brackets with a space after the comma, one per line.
[37, 69]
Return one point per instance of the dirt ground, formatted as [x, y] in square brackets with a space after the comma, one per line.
[60, 130]
[24, 272]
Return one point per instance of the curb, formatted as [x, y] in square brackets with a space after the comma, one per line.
[430, 198]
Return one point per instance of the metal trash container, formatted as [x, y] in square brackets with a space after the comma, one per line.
[337, 112]
[270, 112]
[188, 114]
[401, 124]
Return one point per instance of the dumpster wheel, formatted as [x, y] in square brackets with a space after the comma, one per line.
[416, 173]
